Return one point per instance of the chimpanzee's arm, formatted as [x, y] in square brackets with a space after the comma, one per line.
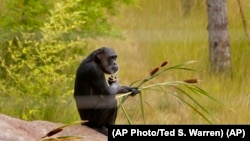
[117, 89]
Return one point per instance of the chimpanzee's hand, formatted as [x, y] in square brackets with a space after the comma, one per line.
[134, 91]
[112, 79]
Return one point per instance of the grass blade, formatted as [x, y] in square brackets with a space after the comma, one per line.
[192, 107]
[142, 108]
[126, 114]
[190, 97]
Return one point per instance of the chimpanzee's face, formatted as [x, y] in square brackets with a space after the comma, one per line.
[107, 57]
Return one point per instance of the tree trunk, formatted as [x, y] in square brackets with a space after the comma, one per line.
[219, 46]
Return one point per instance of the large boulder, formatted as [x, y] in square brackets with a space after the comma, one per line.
[13, 129]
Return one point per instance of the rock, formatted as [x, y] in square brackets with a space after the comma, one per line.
[13, 129]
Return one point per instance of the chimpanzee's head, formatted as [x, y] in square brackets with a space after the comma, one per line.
[107, 58]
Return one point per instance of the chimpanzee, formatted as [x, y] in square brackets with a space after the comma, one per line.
[95, 97]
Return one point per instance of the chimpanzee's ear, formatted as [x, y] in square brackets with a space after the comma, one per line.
[99, 54]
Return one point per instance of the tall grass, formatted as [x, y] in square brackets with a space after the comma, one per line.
[158, 30]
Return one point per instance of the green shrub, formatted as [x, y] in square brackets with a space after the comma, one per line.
[40, 45]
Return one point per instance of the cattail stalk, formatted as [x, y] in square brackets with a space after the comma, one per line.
[191, 81]
[164, 63]
[53, 132]
[154, 71]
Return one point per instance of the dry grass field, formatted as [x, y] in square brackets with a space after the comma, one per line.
[155, 31]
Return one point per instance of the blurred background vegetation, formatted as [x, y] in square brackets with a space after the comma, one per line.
[42, 43]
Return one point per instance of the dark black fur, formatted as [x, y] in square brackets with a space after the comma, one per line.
[95, 99]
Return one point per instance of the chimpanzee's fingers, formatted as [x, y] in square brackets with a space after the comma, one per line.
[135, 91]
[112, 79]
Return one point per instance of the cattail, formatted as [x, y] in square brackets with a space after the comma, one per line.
[164, 63]
[154, 71]
[191, 81]
[53, 132]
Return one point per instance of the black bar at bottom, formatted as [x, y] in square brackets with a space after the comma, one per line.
[194, 132]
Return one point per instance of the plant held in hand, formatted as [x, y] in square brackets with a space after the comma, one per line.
[186, 87]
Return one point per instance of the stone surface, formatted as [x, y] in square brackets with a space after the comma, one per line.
[13, 129]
